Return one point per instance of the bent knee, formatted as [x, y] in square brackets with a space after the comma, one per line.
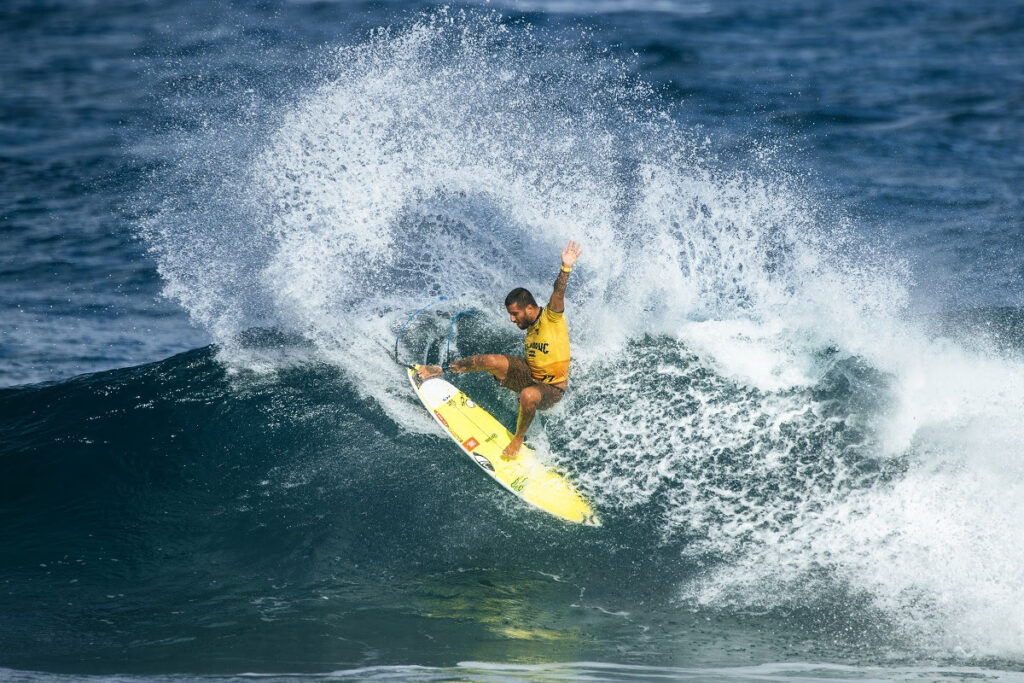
[492, 360]
[530, 397]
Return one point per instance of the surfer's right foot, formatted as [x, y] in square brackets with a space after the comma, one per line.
[511, 451]
[428, 371]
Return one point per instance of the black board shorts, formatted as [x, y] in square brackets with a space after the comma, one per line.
[519, 377]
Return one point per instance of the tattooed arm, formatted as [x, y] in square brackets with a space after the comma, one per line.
[569, 256]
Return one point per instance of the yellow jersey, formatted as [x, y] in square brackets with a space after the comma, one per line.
[547, 347]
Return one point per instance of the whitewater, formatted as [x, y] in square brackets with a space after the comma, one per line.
[746, 368]
[797, 333]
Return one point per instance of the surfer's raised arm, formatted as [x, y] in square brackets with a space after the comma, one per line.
[569, 255]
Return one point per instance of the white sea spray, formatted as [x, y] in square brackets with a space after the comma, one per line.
[745, 366]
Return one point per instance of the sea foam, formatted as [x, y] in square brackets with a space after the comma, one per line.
[745, 365]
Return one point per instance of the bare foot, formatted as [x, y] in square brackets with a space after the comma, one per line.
[428, 371]
[511, 451]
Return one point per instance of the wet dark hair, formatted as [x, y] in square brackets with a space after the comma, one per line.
[520, 296]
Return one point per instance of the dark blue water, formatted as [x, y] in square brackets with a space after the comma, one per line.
[797, 330]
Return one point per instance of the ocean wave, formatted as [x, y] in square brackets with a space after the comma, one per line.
[790, 423]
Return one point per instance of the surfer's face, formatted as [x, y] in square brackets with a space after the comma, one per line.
[522, 316]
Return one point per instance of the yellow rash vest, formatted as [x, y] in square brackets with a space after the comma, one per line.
[547, 347]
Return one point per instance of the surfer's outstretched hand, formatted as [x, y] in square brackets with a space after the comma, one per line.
[571, 253]
[428, 371]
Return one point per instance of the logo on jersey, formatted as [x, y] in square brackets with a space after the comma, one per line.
[538, 346]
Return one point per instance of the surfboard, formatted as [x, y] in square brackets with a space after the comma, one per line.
[483, 438]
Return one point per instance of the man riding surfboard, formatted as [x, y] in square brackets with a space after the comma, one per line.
[542, 377]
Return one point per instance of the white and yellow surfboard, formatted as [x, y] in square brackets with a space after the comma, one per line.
[483, 438]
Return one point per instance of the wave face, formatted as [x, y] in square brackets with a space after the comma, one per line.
[775, 444]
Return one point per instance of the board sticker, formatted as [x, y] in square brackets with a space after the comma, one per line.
[483, 462]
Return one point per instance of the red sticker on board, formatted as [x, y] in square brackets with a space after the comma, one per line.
[441, 419]
[470, 443]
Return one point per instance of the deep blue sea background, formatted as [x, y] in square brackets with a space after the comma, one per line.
[798, 328]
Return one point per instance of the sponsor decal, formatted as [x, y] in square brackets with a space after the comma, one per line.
[470, 443]
[438, 392]
[519, 483]
[441, 419]
[491, 438]
[483, 462]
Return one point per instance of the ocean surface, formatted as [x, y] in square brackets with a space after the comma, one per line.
[797, 395]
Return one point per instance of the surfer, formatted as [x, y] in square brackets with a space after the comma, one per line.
[542, 377]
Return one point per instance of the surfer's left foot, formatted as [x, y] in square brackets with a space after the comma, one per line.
[511, 451]
[428, 371]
